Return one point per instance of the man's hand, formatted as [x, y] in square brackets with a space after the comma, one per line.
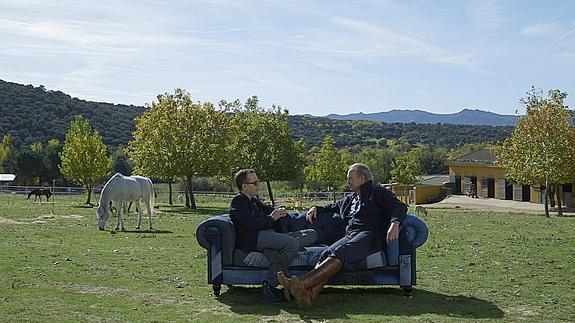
[311, 214]
[278, 213]
[393, 231]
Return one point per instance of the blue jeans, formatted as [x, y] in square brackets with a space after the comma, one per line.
[281, 248]
[353, 247]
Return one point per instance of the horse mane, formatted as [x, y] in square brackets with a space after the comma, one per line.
[105, 194]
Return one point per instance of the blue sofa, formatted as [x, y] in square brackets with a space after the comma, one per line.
[396, 265]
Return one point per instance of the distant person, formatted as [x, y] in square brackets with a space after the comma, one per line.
[255, 225]
[473, 190]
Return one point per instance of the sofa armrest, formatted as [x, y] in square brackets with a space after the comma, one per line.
[415, 230]
[221, 226]
[413, 233]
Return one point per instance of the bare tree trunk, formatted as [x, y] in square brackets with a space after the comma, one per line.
[552, 195]
[270, 193]
[170, 192]
[546, 197]
[89, 189]
[191, 203]
[558, 191]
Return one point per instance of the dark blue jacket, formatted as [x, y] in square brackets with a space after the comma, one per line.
[250, 216]
[379, 207]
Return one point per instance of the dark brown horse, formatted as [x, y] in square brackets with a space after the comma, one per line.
[39, 192]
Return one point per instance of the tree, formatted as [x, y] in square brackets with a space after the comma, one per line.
[121, 162]
[29, 166]
[263, 142]
[52, 160]
[299, 178]
[179, 138]
[5, 151]
[380, 162]
[433, 160]
[406, 167]
[330, 166]
[84, 156]
[153, 146]
[541, 149]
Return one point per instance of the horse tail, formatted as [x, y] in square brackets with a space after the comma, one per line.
[152, 195]
[30, 194]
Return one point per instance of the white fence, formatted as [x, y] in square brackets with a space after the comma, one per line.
[162, 194]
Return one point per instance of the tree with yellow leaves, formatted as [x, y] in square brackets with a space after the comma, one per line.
[84, 156]
[542, 146]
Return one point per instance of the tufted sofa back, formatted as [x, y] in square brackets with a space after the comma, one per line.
[329, 227]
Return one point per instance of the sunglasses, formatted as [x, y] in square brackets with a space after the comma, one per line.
[256, 183]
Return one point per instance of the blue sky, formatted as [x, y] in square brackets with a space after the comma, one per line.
[315, 57]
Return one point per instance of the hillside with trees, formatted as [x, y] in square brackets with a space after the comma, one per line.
[348, 133]
[33, 114]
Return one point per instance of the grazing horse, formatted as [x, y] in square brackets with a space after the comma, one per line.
[38, 192]
[120, 189]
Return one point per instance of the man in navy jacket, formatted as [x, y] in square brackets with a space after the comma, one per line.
[256, 226]
[370, 211]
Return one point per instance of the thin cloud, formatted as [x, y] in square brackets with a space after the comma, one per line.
[485, 14]
[567, 34]
[83, 32]
[208, 32]
[550, 29]
[369, 40]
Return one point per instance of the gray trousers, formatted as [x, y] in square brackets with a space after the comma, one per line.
[281, 248]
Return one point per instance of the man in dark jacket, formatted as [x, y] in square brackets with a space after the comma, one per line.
[256, 226]
[370, 210]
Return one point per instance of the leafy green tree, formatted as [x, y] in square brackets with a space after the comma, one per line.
[84, 156]
[153, 147]
[179, 138]
[6, 149]
[52, 160]
[407, 167]
[542, 146]
[379, 160]
[330, 166]
[29, 166]
[121, 162]
[263, 142]
[433, 160]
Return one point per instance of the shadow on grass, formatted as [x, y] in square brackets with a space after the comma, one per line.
[141, 231]
[204, 210]
[84, 206]
[366, 301]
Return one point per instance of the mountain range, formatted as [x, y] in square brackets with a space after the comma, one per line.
[472, 117]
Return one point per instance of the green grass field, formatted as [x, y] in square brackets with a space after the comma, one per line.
[475, 266]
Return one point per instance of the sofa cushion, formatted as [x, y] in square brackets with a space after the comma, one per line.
[307, 257]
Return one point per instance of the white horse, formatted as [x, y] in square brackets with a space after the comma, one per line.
[121, 189]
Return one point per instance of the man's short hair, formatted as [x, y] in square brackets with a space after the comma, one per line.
[362, 169]
[241, 176]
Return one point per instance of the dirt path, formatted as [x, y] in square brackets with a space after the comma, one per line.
[493, 205]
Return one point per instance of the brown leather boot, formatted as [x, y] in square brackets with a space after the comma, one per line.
[285, 282]
[306, 289]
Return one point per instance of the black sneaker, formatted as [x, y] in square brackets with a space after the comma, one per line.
[272, 294]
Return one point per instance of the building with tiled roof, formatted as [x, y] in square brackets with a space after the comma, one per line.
[479, 174]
